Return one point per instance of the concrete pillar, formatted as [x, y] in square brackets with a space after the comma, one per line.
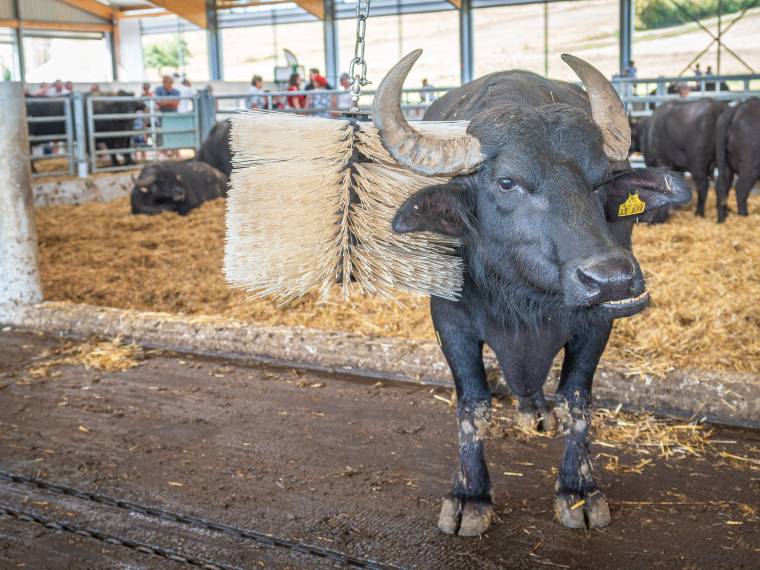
[19, 278]
[627, 21]
[130, 50]
[466, 50]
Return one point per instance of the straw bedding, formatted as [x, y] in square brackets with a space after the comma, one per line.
[704, 279]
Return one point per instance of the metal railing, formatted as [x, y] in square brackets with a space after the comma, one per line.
[141, 127]
[51, 141]
[117, 131]
[641, 95]
[323, 102]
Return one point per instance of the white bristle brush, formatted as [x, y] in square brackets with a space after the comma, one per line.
[310, 206]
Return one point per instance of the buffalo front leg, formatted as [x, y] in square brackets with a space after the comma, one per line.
[468, 510]
[578, 503]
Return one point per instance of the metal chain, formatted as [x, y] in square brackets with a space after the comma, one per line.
[135, 545]
[358, 80]
[197, 522]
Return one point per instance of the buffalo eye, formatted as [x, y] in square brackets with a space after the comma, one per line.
[506, 184]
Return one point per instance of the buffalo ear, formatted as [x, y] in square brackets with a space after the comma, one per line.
[635, 192]
[441, 209]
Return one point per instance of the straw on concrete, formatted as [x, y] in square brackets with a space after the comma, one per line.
[704, 280]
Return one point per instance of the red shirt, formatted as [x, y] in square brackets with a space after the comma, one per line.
[301, 98]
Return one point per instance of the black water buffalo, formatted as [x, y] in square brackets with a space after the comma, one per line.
[216, 148]
[41, 107]
[176, 186]
[543, 202]
[44, 107]
[681, 135]
[116, 125]
[737, 149]
[639, 130]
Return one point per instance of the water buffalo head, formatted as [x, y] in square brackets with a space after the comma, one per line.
[532, 193]
[160, 185]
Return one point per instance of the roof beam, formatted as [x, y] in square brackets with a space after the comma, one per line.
[66, 26]
[313, 7]
[456, 3]
[92, 7]
[191, 10]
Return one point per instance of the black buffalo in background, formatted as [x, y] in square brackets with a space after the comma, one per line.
[116, 125]
[737, 149]
[43, 107]
[681, 135]
[176, 186]
[216, 148]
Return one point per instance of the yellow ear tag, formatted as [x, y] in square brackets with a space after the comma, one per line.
[632, 206]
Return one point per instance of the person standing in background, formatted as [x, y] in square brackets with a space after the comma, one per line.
[344, 99]
[166, 89]
[57, 89]
[296, 101]
[256, 100]
[316, 80]
[320, 101]
[185, 90]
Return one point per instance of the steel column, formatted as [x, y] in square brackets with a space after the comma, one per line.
[18, 36]
[332, 52]
[215, 71]
[110, 39]
[466, 51]
[627, 19]
[19, 277]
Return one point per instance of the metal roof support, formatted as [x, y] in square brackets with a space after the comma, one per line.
[18, 38]
[466, 49]
[627, 19]
[332, 52]
[215, 71]
[113, 52]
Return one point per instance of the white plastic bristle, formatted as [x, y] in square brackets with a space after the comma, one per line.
[291, 225]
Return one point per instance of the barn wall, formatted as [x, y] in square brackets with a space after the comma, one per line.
[53, 11]
[6, 9]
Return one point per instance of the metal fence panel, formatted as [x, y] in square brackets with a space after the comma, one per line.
[49, 140]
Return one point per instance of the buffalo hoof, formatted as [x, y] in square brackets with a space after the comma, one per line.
[576, 511]
[465, 517]
[542, 421]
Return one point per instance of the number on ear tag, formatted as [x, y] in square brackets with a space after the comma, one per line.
[632, 206]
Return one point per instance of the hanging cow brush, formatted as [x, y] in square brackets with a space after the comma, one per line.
[310, 206]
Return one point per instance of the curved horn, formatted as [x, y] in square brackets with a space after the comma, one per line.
[144, 182]
[422, 153]
[606, 108]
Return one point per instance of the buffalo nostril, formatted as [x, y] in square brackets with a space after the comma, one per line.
[589, 283]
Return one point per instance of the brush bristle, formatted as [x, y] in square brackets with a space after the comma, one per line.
[303, 214]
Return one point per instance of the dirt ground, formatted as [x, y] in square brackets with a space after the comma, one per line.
[350, 465]
[703, 279]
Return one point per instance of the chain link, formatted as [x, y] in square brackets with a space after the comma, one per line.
[357, 70]
[187, 520]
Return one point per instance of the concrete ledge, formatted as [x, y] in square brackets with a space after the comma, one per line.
[98, 188]
[729, 398]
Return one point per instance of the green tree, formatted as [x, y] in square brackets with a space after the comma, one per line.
[653, 14]
[172, 54]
